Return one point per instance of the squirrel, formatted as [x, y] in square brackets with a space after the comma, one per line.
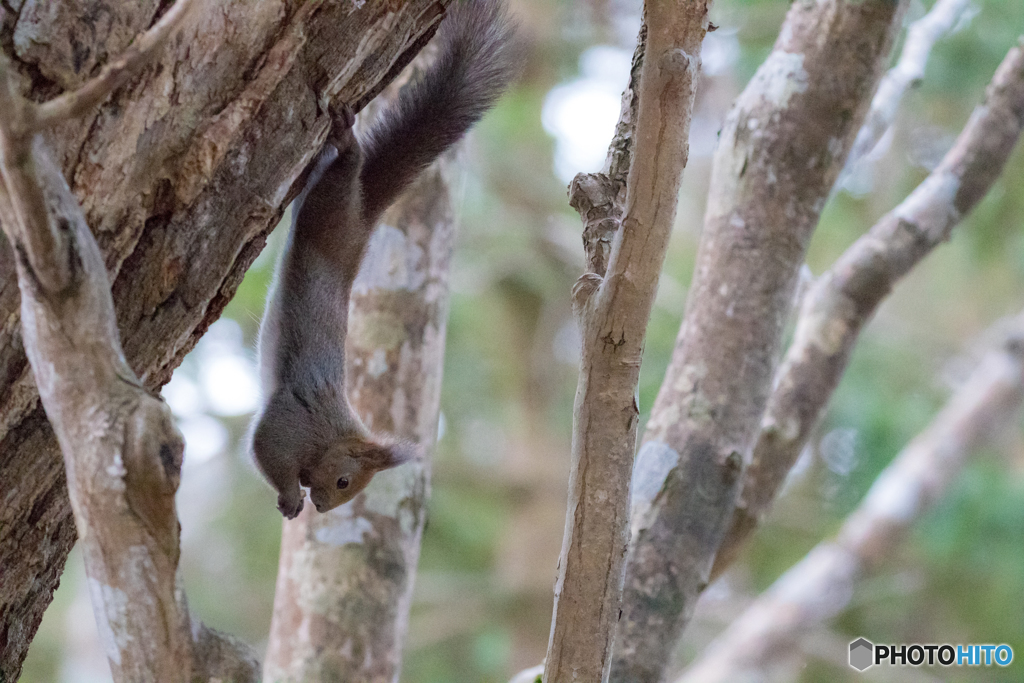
[306, 432]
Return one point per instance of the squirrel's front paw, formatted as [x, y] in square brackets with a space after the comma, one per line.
[342, 119]
[289, 508]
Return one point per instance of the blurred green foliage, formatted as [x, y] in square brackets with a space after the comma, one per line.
[483, 601]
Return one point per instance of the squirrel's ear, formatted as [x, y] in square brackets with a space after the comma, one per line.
[387, 456]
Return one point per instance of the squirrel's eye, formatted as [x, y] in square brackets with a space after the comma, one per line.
[343, 483]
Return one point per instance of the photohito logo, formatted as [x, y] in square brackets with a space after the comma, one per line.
[865, 654]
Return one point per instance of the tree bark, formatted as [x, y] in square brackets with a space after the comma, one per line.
[122, 453]
[613, 303]
[781, 148]
[181, 174]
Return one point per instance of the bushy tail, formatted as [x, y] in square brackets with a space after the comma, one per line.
[477, 59]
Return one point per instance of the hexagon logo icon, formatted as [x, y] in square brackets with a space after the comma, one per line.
[861, 654]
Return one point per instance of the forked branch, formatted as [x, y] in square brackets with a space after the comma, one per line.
[819, 586]
[844, 298]
[122, 452]
[780, 150]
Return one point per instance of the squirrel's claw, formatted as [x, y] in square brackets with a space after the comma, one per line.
[288, 508]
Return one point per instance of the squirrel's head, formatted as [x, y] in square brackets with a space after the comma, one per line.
[347, 468]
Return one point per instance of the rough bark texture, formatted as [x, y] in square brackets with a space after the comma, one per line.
[121, 451]
[820, 586]
[599, 197]
[843, 299]
[780, 150]
[181, 176]
[344, 586]
[613, 307]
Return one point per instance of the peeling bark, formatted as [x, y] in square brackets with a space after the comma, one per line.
[780, 151]
[181, 174]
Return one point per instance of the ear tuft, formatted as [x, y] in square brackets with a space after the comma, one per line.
[391, 455]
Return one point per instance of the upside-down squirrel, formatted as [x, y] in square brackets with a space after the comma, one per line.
[306, 432]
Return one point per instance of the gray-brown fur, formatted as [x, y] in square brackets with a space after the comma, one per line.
[307, 433]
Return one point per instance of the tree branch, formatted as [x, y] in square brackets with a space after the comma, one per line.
[122, 452]
[908, 73]
[115, 74]
[843, 299]
[819, 586]
[780, 150]
[613, 309]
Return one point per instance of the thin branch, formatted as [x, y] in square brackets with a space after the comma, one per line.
[115, 74]
[844, 298]
[908, 73]
[599, 199]
[31, 226]
[613, 312]
[819, 586]
[780, 149]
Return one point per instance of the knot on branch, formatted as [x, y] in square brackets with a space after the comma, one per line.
[153, 450]
[582, 292]
[598, 199]
[678, 62]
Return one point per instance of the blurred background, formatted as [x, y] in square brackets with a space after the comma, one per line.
[482, 606]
